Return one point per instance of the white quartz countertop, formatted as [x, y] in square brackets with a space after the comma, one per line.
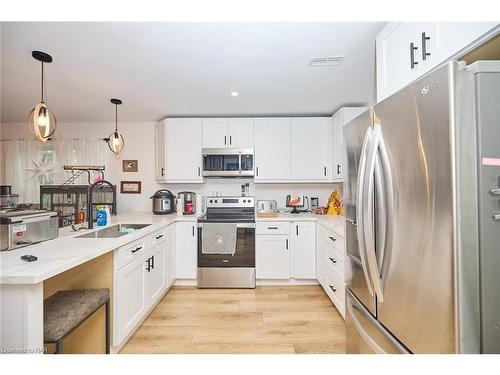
[330, 222]
[63, 253]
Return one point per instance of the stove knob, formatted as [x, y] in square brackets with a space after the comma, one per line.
[211, 201]
[244, 201]
[249, 201]
[216, 201]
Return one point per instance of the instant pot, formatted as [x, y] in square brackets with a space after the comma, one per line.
[163, 202]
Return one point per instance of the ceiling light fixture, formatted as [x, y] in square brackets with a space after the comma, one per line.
[235, 93]
[115, 140]
[41, 121]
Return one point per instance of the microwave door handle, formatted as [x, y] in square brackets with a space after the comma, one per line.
[368, 214]
[389, 202]
[359, 209]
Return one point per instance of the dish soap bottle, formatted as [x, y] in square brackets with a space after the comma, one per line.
[102, 216]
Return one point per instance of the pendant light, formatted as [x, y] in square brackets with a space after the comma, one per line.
[115, 140]
[41, 121]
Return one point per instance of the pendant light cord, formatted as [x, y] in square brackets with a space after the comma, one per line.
[116, 117]
[42, 81]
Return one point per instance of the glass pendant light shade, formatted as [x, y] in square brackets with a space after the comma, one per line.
[116, 142]
[41, 122]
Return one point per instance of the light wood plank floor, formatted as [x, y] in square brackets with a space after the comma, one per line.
[268, 319]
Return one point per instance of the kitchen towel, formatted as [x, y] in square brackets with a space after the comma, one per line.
[218, 238]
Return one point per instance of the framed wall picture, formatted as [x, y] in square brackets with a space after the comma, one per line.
[130, 187]
[130, 165]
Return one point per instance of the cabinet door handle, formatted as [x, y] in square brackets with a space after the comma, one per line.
[137, 249]
[332, 288]
[297, 229]
[257, 170]
[286, 243]
[193, 230]
[199, 171]
[424, 46]
[163, 171]
[324, 171]
[159, 236]
[153, 262]
[412, 55]
[272, 227]
[148, 262]
[225, 140]
[332, 238]
[230, 140]
[338, 168]
[333, 260]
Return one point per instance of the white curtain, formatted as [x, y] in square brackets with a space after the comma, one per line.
[27, 164]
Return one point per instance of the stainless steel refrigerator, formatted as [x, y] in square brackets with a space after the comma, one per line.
[422, 212]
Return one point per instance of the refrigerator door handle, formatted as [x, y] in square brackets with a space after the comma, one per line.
[368, 218]
[360, 211]
[353, 311]
[381, 219]
[389, 210]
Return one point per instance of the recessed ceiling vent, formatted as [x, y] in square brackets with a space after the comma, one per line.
[327, 61]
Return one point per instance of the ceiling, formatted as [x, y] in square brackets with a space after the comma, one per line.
[185, 69]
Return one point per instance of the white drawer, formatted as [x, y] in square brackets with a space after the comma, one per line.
[158, 237]
[334, 260]
[334, 241]
[126, 254]
[272, 227]
[335, 288]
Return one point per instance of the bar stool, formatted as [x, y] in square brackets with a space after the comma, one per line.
[66, 310]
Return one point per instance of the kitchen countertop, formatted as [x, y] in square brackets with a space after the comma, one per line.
[63, 253]
[330, 222]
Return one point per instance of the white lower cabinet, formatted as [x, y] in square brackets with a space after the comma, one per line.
[303, 241]
[129, 298]
[330, 265]
[272, 256]
[186, 254]
[156, 274]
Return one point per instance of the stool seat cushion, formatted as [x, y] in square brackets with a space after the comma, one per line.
[66, 309]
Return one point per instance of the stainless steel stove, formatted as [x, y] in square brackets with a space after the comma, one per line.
[226, 243]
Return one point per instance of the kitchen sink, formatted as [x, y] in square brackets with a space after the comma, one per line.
[114, 231]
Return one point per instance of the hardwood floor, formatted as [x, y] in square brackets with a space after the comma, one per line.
[265, 320]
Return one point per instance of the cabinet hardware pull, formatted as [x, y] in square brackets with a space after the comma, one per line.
[272, 227]
[159, 236]
[332, 288]
[230, 140]
[412, 55]
[496, 216]
[286, 243]
[338, 168]
[199, 171]
[225, 140]
[257, 170]
[325, 171]
[163, 171]
[424, 46]
[297, 229]
[148, 262]
[495, 191]
[332, 238]
[193, 230]
[333, 260]
[137, 249]
[153, 262]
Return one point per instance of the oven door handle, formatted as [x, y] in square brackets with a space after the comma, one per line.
[238, 225]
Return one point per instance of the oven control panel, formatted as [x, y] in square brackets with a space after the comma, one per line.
[230, 202]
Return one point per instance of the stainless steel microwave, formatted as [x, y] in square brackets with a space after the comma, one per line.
[228, 162]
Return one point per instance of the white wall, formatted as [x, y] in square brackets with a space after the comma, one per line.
[140, 144]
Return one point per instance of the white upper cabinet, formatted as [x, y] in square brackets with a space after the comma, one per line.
[183, 143]
[240, 132]
[408, 50]
[310, 159]
[228, 133]
[215, 133]
[160, 151]
[339, 119]
[272, 149]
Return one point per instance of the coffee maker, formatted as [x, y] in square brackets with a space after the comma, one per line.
[188, 202]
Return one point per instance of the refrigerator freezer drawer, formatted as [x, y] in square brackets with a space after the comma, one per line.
[364, 334]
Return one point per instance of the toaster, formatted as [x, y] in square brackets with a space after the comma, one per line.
[267, 206]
